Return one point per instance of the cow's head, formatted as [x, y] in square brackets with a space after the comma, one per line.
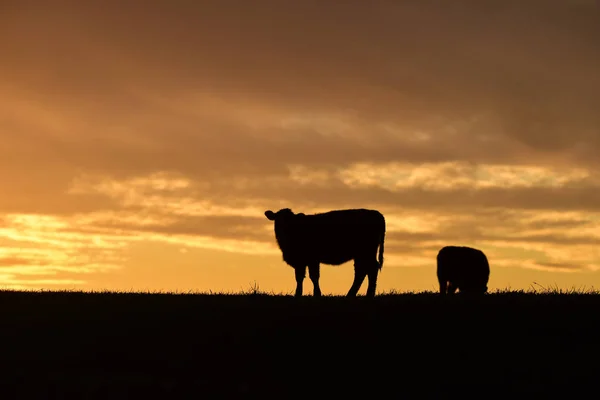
[285, 214]
[284, 225]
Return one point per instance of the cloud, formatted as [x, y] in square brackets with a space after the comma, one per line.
[166, 209]
[409, 230]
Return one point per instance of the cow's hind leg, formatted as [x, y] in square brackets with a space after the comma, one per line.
[314, 273]
[360, 272]
[452, 286]
[372, 273]
[300, 275]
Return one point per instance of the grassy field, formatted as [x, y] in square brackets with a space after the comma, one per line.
[152, 345]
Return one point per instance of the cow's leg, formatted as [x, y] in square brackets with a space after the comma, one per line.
[452, 288]
[300, 274]
[443, 286]
[480, 287]
[465, 288]
[314, 273]
[360, 272]
[372, 273]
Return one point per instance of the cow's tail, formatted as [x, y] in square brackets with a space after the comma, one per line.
[381, 244]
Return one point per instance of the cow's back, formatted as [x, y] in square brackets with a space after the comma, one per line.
[338, 236]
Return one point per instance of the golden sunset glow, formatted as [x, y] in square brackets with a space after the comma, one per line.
[141, 143]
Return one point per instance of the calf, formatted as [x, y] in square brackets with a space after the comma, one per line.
[462, 268]
[333, 238]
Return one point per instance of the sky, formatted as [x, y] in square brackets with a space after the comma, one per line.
[141, 142]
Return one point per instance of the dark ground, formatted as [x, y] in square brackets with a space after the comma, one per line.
[117, 346]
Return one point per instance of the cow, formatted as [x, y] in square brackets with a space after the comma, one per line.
[332, 238]
[463, 268]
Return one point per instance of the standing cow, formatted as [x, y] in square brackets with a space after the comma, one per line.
[462, 268]
[333, 238]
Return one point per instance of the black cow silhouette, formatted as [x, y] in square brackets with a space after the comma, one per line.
[332, 238]
[463, 268]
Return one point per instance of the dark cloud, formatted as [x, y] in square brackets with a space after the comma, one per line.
[527, 72]
[461, 228]
[458, 200]
[220, 227]
[402, 242]
[6, 262]
[557, 265]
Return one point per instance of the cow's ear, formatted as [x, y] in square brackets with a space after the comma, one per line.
[270, 215]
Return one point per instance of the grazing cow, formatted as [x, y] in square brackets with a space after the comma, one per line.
[462, 268]
[333, 238]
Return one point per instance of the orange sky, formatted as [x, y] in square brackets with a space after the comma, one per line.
[142, 143]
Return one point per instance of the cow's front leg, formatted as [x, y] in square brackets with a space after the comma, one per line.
[314, 273]
[443, 286]
[300, 274]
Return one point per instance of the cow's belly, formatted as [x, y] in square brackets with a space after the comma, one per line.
[335, 259]
[336, 252]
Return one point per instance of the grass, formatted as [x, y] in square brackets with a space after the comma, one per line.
[68, 344]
